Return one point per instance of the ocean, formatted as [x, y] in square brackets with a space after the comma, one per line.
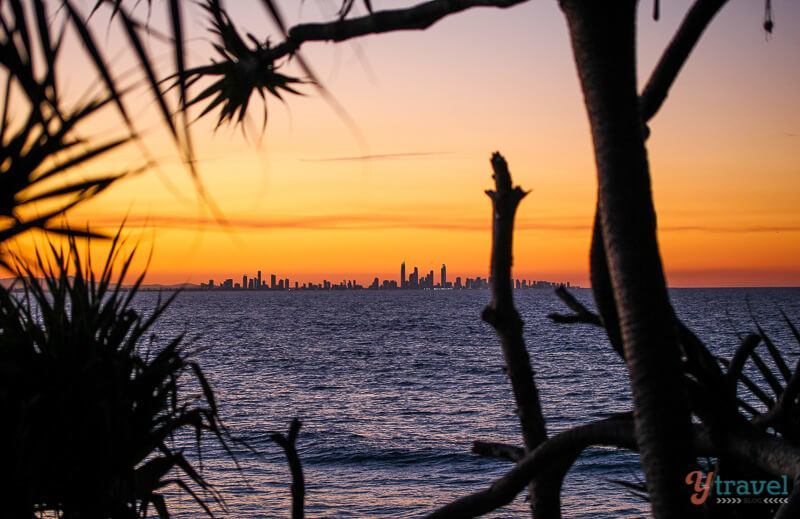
[392, 387]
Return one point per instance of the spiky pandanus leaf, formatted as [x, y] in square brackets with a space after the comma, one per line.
[781, 411]
[240, 72]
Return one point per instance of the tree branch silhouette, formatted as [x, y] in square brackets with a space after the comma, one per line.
[504, 318]
[287, 443]
[502, 314]
[566, 446]
[666, 72]
[417, 17]
[774, 455]
[498, 450]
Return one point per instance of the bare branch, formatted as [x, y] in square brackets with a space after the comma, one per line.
[501, 451]
[581, 315]
[502, 314]
[298, 486]
[572, 319]
[505, 319]
[418, 17]
[613, 432]
[676, 54]
[772, 454]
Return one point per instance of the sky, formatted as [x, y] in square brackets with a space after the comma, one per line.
[316, 197]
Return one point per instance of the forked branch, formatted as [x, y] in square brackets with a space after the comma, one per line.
[502, 314]
[581, 314]
[287, 443]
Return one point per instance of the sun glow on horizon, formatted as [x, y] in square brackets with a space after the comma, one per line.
[316, 200]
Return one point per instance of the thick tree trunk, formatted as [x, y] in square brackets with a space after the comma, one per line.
[603, 40]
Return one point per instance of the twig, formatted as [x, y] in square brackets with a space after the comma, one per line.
[581, 315]
[501, 451]
[676, 54]
[298, 486]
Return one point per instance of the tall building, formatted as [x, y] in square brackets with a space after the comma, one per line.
[244, 281]
[444, 275]
[273, 282]
[403, 275]
[259, 280]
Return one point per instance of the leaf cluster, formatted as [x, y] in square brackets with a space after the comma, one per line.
[38, 152]
[92, 407]
[242, 70]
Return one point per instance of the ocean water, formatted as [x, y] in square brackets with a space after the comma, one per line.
[392, 387]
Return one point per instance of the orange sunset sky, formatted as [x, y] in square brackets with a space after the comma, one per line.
[430, 107]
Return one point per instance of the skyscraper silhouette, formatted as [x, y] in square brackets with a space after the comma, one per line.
[403, 275]
[444, 275]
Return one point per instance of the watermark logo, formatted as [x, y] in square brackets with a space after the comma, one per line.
[701, 486]
[736, 491]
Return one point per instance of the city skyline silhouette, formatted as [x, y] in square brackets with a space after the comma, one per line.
[410, 280]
